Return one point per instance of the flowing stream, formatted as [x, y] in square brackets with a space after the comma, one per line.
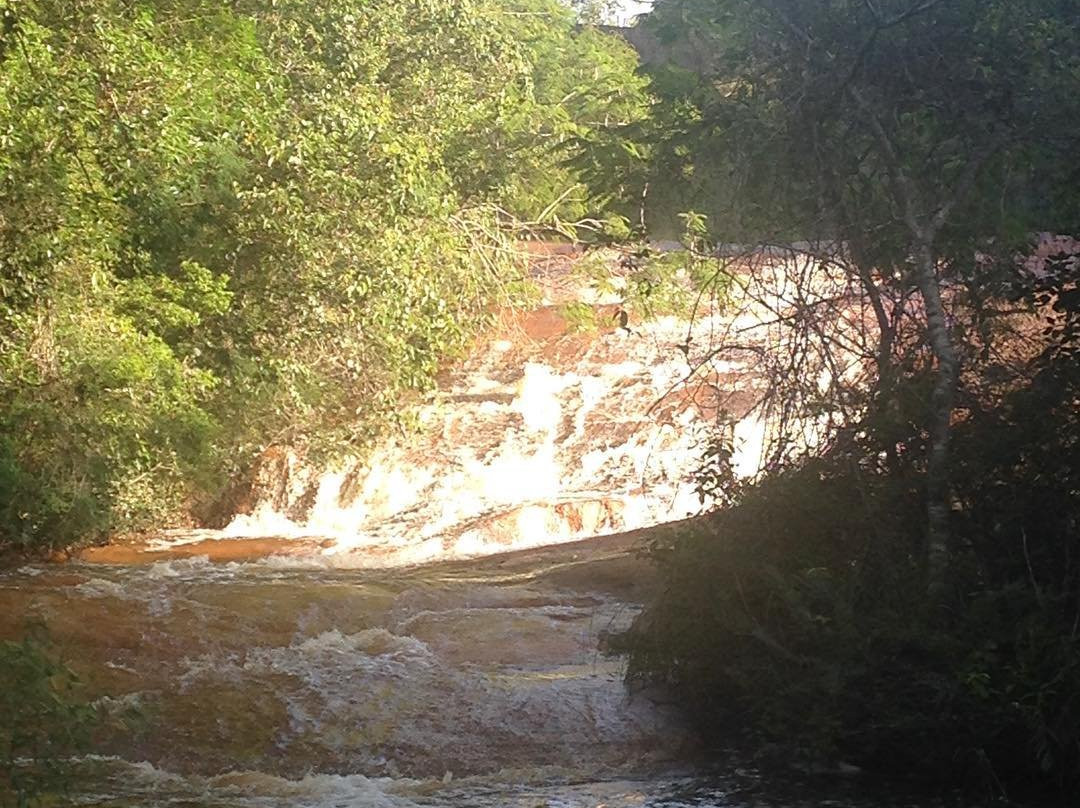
[466, 683]
[425, 627]
[264, 684]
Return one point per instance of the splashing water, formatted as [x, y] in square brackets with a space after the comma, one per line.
[475, 683]
[536, 439]
[311, 664]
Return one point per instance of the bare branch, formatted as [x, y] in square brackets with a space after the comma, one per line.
[903, 187]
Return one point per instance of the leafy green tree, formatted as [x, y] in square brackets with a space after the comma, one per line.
[918, 146]
[929, 138]
[225, 225]
[582, 85]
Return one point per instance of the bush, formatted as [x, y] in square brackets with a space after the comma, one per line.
[42, 721]
[799, 617]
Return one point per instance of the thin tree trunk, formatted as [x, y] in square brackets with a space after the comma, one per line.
[941, 407]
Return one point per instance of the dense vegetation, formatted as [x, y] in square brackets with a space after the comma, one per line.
[228, 224]
[799, 619]
[906, 596]
[45, 720]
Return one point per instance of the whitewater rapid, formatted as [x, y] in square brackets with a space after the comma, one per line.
[469, 684]
[425, 625]
[546, 432]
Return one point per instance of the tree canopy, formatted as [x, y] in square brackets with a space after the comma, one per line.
[927, 141]
[225, 224]
[902, 595]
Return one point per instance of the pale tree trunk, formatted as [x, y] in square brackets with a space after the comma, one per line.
[924, 230]
[941, 406]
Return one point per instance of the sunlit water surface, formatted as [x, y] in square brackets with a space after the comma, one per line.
[471, 683]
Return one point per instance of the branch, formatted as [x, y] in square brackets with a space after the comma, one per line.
[902, 183]
[967, 180]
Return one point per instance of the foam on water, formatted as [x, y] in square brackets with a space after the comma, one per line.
[313, 678]
[508, 449]
[142, 784]
[127, 785]
[544, 435]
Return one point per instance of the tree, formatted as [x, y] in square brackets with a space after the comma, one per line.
[581, 84]
[224, 225]
[930, 138]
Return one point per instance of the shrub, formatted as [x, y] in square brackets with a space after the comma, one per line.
[799, 617]
[42, 721]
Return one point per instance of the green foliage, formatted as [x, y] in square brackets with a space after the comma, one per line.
[42, 721]
[223, 225]
[655, 283]
[582, 86]
[666, 161]
[798, 614]
[922, 144]
[775, 137]
[579, 316]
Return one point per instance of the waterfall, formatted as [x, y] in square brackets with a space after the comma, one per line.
[543, 434]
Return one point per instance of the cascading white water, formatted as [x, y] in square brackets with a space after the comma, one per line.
[325, 670]
[541, 435]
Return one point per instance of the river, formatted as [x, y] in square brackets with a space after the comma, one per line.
[423, 625]
[273, 682]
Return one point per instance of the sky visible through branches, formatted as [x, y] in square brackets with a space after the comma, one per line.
[628, 9]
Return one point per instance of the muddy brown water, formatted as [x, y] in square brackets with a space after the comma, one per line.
[323, 650]
[272, 681]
